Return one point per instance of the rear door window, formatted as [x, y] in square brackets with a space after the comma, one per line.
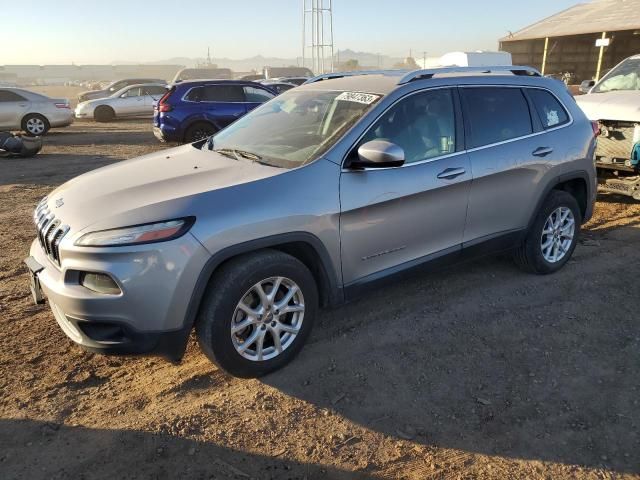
[551, 112]
[495, 114]
[155, 91]
[257, 95]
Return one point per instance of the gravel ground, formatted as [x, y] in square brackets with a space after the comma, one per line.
[476, 371]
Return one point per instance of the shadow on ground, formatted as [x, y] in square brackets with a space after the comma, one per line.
[469, 368]
[75, 452]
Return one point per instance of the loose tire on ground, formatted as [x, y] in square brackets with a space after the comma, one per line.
[219, 310]
[530, 254]
[35, 124]
[104, 113]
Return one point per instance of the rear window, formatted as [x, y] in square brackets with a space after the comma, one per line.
[495, 114]
[551, 112]
[216, 93]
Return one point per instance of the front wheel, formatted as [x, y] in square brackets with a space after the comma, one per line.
[553, 236]
[104, 113]
[258, 313]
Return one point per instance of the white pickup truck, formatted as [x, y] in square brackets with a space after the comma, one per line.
[614, 102]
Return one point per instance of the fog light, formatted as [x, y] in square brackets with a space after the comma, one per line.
[100, 283]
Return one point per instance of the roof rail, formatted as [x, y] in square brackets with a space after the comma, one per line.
[430, 72]
[329, 76]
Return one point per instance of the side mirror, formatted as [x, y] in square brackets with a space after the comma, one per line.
[378, 154]
[586, 85]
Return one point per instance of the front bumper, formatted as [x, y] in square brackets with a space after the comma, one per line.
[149, 316]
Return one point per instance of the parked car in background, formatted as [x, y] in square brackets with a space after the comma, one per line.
[203, 74]
[32, 112]
[197, 109]
[131, 101]
[286, 72]
[115, 87]
[252, 77]
[614, 102]
[295, 80]
[308, 201]
[277, 86]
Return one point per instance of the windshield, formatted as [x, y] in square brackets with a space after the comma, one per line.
[625, 76]
[294, 128]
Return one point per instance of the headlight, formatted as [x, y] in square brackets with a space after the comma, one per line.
[137, 234]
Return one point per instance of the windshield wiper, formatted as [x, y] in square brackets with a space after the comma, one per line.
[235, 153]
[228, 152]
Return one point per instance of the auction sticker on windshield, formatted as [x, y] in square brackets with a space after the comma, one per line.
[366, 98]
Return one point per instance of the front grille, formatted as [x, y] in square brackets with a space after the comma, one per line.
[50, 231]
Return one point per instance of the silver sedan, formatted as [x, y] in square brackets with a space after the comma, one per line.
[131, 101]
[32, 112]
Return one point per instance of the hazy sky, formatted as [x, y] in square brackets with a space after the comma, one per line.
[88, 31]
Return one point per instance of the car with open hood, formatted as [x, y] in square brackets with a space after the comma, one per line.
[614, 103]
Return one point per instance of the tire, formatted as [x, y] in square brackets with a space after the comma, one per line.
[534, 254]
[104, 113]
[35, 125]
[220, 311]
[199, 131]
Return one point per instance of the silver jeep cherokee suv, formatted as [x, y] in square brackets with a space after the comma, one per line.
[307, 200]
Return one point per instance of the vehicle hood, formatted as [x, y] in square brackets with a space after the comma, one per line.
[621, 105]
[154, 187]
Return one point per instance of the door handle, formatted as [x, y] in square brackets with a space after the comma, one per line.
[451, 173]
[542, 151]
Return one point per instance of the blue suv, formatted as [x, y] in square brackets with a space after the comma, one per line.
[194, 110]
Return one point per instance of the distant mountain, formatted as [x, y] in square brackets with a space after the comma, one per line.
[257, 62]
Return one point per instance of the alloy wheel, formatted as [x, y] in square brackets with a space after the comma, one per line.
[267, 319]
[557, 234]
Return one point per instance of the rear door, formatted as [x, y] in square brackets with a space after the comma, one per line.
[256, 96]
[13, 107]
[505, 147]
[220, 104]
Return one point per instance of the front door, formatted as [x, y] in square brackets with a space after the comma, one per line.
[132, 102]
[393, 218]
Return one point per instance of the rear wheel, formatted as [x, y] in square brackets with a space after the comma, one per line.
[257, 314]
[199, 131]
[553, 236]
[35, 125]
[104, 113]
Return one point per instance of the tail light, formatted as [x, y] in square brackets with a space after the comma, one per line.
[62, 105]
[163, 106]
[596, 128]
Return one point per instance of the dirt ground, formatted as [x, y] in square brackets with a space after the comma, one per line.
[477, 371]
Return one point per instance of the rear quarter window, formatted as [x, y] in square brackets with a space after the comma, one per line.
[551, 112]
[495, 114]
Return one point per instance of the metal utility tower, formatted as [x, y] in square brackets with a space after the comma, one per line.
[317, 35]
